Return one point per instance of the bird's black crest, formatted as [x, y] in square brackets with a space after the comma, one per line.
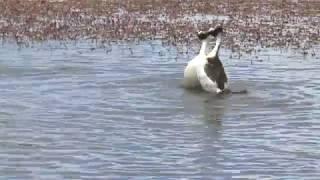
[216, 31]
[203, 35]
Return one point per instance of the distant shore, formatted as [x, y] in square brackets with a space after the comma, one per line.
[262, 23]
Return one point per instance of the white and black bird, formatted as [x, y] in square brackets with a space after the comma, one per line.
[190, 79]
[210, 71]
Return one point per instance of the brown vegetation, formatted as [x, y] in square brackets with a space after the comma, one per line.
[248, 24]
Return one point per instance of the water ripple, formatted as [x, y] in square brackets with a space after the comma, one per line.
[92, 115]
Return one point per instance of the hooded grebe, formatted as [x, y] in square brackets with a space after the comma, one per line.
[190, 72]
[210, 71]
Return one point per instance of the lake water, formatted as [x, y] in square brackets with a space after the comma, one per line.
[79, 113]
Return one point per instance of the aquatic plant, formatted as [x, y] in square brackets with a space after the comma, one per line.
[249, 25]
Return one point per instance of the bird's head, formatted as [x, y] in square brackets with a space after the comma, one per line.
[215, 31]
[202, 35]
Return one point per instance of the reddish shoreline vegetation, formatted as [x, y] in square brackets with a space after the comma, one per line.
[248, 24]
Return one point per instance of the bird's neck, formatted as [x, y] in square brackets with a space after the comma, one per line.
[215, 50]
[204, 46]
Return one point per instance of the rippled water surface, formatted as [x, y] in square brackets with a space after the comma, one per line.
[79, 113]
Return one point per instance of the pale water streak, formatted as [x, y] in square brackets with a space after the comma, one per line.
[81, 114]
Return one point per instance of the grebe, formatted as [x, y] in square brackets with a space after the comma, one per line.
[211, 73]
[190, 72]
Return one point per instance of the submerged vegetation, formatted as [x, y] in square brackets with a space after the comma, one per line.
[248, 24]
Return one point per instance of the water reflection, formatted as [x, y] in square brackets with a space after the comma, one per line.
[213, 111]
[211, 107]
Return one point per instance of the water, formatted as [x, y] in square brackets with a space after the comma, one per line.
[80, 114]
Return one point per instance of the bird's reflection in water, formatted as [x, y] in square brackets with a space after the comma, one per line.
[214, 109]
[211, 106]
[209, 110]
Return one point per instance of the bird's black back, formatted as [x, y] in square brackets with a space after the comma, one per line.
[215, 71]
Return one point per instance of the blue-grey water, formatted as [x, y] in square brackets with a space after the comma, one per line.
[80, 113]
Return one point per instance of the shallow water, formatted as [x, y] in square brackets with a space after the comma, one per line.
[80, 114]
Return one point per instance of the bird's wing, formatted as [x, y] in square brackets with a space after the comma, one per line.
[215, 71]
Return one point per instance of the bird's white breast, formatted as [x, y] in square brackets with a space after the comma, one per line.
[190, 73]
